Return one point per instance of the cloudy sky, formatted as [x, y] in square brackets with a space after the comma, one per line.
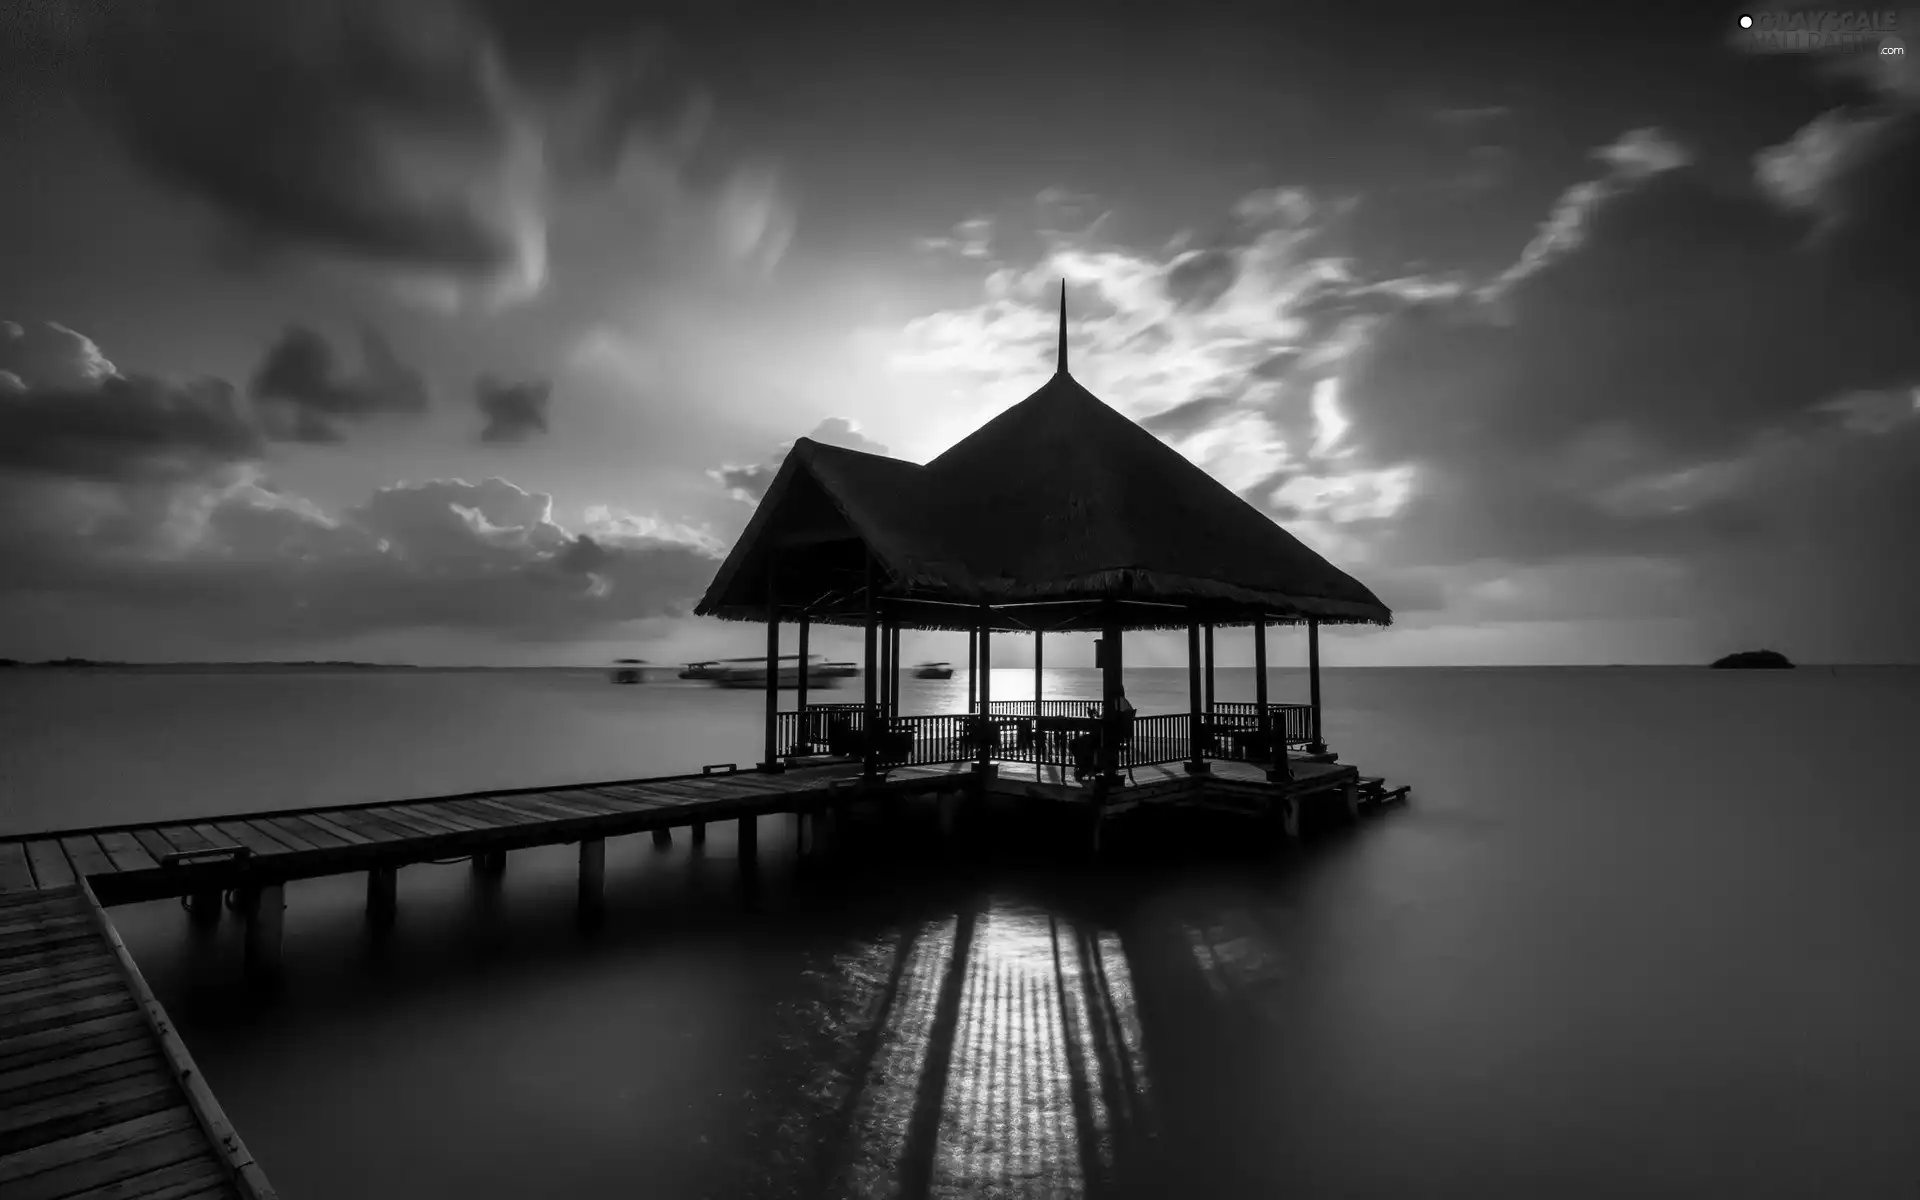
[468, 330]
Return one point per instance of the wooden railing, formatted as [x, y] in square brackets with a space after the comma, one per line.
[954, 738]
[1048, 708]
[1232, 733]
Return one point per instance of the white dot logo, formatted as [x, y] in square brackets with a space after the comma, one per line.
[1746, 22]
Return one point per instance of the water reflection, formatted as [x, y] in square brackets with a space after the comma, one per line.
[995, 1052]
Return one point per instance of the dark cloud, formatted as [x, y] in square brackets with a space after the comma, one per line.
[749, 483]
[286, 114]
[1190, 417]
[305, 392]
[514, 411]
[66, 411]
[427, 136]
[1199, 278]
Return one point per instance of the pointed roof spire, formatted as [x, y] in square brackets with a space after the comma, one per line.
[1060, 368]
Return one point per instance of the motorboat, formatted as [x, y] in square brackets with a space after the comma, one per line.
[752, 672]
[936, 670]
[629, 670]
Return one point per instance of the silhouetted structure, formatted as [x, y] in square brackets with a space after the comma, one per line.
[1060, 514]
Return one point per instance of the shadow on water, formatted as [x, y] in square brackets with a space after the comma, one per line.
[896, 1028]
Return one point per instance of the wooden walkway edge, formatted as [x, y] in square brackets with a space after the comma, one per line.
[98, 1095]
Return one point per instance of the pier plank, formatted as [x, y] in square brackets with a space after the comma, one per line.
[50, 866]
[86, 855]
[155, 845]
[410, 826]
[185, 839]
[15, 874]
[28, 1049]
[27, 1125]
[323, 821]
[321, 839]
[502, 819]
[558, 810]
[635, 801]
[381, 829]
[518, 815]
[24, 973]
[451, 816]
[126, 852]
[130, 1168]
[239, 833]
[214, 839]
[91, 1145]
[417, 815]
[278, 830]
[580, 798]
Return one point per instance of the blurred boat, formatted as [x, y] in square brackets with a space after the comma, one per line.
[629, 670]
[752, 672]
[937, 670]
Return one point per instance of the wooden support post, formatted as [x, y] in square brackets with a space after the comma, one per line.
[1292, 816]
[770, 760]
[266, 916]
[1039, 688]
[1197, 723]
[870, 710]
[1207, 700]
[1263, 719]
[699, 833]
[749, 838]
[987, 734]
[662, 837]
[893, 660]
[203, 908]
[1350, 797]
[1111, 685]
[593, 879]
[802, 744]
[490, 863]
[383, 896]
[1318, 745]
[973, 669]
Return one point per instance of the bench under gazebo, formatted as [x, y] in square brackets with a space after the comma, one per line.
[1060, 515]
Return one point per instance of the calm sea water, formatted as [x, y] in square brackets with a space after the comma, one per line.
[1642, 932]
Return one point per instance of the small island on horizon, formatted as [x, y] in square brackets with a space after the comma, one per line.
[1751, 660]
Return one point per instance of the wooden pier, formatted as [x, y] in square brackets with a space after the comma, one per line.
[98, 1096]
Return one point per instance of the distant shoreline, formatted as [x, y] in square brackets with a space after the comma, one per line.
[303, 667]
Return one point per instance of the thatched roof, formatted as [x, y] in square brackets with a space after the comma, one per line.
[1049, 512]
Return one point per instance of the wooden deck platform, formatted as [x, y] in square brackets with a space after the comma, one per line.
[97, 1095]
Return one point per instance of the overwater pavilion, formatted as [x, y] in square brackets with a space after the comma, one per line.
[1059, 515]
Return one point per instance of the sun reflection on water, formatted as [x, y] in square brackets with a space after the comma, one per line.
[1004, 1059]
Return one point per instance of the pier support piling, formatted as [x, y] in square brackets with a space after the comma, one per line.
[382, 896]
[490, 863]
[1292, 817]
[662, 838]
[699, 835]
[265, 917]
[749, 840]
[593, 879]
[203, 909]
